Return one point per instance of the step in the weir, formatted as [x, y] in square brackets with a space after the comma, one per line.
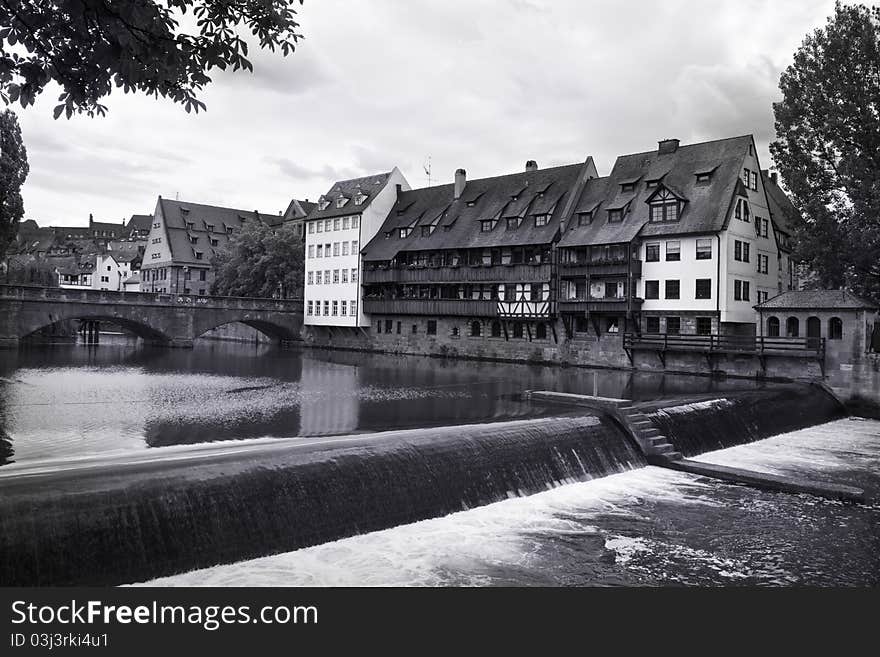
[650, 433]
[589, 401]
[762, 480]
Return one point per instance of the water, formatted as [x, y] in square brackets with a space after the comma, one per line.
[72, 401]
[645, 527]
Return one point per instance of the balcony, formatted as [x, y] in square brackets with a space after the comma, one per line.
[600, 305]
[433, 307]
[460, 274]
[600, 268]
[526, 309]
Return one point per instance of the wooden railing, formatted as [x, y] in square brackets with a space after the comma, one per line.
[730, 344]
[600, 304]
[435, 307]
[601, 268]
[463, 273]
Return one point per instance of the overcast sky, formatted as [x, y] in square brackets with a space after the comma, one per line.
[479, 84]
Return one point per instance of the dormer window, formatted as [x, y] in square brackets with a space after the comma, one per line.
[627, 187]
[427, 230]
[615, 216]
[651, 184]
[486, 225]
[193, 239]
[323, 204]
[541, 220]
[403, 233]
[341, 201]
[664, 207]
[585, 218]
[359, 199]
[387, 234]
[190, 225]
[229, 230]
[210, 227]
[471, 204]
[512, 223]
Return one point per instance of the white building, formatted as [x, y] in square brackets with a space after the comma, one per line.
[346, 218]
[112, 269]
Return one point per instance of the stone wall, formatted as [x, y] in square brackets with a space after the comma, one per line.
[235, 333]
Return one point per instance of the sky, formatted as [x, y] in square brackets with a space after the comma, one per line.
[483, 85]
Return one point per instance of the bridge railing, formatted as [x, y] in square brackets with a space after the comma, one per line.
[68, 295]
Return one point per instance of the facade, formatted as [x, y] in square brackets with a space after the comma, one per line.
[74, 272]
[295, 216]
[182, 241]
[785, 217]
[844, 321]
[114, 268]
[348, 216]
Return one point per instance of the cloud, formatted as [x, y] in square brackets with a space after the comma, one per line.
[484, 85]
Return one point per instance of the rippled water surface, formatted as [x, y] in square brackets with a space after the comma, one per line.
[74, 401]
[645, 527]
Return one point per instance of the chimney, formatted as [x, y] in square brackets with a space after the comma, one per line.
[667, 146]
[531, 165]
[399, 189]
[460, 182]
[90, 219]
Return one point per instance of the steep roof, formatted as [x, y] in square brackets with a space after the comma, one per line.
[368, 186]
[178, 214]
[817, 300]
[782, 212]
[140, 222]
[706, 203]
[457, 223]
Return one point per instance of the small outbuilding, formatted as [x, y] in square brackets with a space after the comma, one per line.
[844, 320]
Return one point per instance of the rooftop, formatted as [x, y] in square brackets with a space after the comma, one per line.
[817, 300]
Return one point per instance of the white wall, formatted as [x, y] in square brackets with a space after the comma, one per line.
[370, 219]
[687, 271]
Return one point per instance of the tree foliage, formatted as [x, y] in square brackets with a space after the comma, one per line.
[90, 46]
[13, 172]
[260, 262]
[828, 148]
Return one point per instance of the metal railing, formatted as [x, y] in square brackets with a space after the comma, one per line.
[725, 344]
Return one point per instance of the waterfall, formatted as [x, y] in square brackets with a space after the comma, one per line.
[135, 521]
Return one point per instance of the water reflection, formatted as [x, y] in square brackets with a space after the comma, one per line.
[66, 401]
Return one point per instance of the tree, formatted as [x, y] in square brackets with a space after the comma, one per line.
[828, 148]
[258, 262]
[13, 172]
[88, 46]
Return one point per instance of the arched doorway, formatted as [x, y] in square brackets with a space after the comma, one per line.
[772, 327]
[792, 327]
[814, 331]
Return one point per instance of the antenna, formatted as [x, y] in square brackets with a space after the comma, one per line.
[427, 168]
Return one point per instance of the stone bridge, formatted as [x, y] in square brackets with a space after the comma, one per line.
[173, 320]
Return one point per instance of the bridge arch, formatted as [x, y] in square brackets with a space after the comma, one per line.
[273, 330]
[140, 329]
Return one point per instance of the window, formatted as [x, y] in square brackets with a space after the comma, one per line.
[652, 289]
[353, 304]
[327, 224]
[745, 251]
[773, 327]
[427, 230]
[704, 249]
[765, 227]
[673, 251]
[199, 255]
[190, 225]
[311, 278]
[336, 223]
[627, 187]
[704, 326]
[320, 252]
[335, 248]
[343, 308]
[673, 325]
[203, 275]
[704, 177]
[345, 276]
[541, 220]
[486, 225]
[763, 263]
[345, 248]
[704, 288]
[317, 278]
[541, 331]
[835, 328]
[747, 178]
[762, 296]
[792, 327]
[311, 227]
[651, 184]
[326, 308]
[476, 329]
[615, 216]
[652, 325]
[311, 250]
[341, 201]
[512, 223]
[309, 308]
[585, 218]
[742, 210]
[326, 277]
[320, 226]
[673, 289]
[754, 184]
[354, 275]
[354, 221]
[354, 247]
[432, 327]
[664, 207]
[454, 332]
[215, 242]
[652, 252]
[335, 308]
[403, 233]
[496, 329]
[335, 276]
[740, 251]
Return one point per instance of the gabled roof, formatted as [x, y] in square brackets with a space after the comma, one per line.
[519, 195]
[706, 204]
[782, 212]
[140, 222]
[178, 213]
[817, 300]
[368, 186]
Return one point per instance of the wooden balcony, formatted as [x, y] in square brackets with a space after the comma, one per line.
[600, 268]
[461, 274]
[432, 307]
[600, 305]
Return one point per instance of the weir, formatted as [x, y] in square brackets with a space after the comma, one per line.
[133, 518]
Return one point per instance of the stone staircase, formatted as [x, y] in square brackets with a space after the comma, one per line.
[657, 448]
